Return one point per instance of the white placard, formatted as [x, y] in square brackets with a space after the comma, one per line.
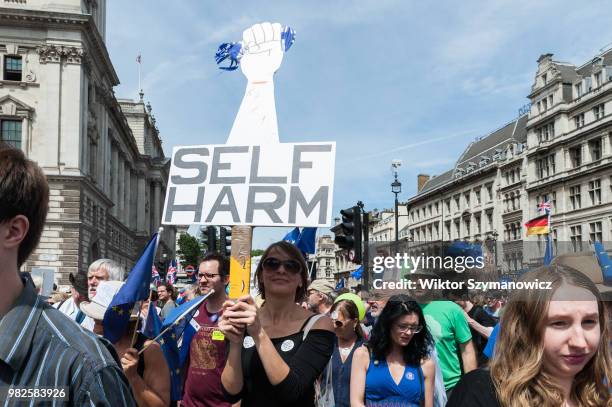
[277, 184]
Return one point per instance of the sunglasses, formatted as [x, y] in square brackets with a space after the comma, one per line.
[290, 266]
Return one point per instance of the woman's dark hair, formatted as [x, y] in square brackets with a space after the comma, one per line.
[295, 254]
[349, 309]
[380, 338]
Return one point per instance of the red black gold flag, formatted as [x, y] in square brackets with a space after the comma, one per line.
[537, 226]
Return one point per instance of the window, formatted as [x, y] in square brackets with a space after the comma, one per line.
[12, 68]
[576, 156]
[437, 208]
[429, 210]
[448, 206]
[490, 192]
[578, 88]
[466, 222]
[457, 203]
[466, 196]
[595, 191]
[579, 120]
[595, 235]
[595, 149]
[447, 226]
[598, 111]
[550, 100]
[598, 79]
[544, 104]
[545, 166]
[457, 229]
[576, 237]
[544, 79]
[575, 202]
[546, 132]
[490, 221]
[10, 132]
[478, 225]
[478, 197]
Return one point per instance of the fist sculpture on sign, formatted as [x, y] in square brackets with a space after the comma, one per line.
[259, 54]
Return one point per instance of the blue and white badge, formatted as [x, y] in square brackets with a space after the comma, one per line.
[287, 345]
[248, 342]
[409, 376]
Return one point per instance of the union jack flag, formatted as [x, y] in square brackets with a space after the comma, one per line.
[155, 276]
[545, 206]
[171, 275]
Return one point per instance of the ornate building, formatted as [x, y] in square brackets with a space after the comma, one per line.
[103, 156]
[560, 152]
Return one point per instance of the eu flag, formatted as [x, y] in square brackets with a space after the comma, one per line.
[153, 323]
[136, 288]
[604, 262]
[548, 254]
[181, 320]
[306, 240]
[293, 236]
[357, 273]
[181, 317]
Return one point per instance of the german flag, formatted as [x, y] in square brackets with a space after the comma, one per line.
[537, 226]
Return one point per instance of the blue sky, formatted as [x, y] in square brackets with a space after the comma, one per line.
[385, 79]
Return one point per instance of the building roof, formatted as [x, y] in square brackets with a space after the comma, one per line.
[483, 148]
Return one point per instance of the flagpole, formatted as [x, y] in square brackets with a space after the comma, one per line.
[136, 327]
[172, 325]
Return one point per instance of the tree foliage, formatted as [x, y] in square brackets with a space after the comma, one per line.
[189, 250]
[257, 252]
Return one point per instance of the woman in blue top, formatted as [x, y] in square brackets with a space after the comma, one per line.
[394, 368]
[347, 311]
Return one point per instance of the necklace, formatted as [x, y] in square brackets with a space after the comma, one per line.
[345, 351]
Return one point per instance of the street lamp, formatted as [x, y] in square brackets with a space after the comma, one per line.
[492, 236]
[396, 188]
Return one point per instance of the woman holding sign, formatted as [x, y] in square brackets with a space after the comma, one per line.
[279, 350]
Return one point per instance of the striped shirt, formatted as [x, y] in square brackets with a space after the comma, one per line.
[40, 346]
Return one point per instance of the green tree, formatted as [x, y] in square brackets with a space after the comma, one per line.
[257, 252]
[189, 250]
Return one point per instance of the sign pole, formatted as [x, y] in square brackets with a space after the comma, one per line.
[240, 261]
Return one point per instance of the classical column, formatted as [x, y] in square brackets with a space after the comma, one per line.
[121, 195]
[115, 177]
[128, 195]
[156, 206]
[141, 203]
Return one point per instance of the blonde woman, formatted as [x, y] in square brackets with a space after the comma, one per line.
[552, 348]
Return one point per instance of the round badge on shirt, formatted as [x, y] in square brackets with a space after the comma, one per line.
[287, 345]
[409, 376]
[248, 342]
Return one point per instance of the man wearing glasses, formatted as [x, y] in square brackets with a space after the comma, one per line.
[207, 349]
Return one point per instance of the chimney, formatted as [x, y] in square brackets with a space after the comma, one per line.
[421, 181]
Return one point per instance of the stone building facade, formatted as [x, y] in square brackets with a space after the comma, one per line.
[560, 151]
[102, 156]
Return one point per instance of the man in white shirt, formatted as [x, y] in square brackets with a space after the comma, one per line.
[70, 307]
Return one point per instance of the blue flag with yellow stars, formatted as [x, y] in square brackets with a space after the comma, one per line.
[136, 288]
[180, 319]
[168, 343]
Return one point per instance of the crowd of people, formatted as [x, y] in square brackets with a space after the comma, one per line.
[298, 342]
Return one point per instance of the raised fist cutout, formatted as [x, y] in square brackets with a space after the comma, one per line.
[262, 52]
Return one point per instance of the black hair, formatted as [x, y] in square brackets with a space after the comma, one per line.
[223, 261]
[380, 339]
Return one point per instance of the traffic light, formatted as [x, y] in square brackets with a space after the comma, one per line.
[348, 235]
[209, 239]
[225, 244]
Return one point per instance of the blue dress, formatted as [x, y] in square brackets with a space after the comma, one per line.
[381, 390]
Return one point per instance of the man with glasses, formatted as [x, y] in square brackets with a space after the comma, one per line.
[207, 349]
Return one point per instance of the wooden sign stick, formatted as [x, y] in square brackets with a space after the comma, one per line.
[240, 261]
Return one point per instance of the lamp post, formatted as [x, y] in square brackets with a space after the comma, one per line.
[396, 188]
[492, 236]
